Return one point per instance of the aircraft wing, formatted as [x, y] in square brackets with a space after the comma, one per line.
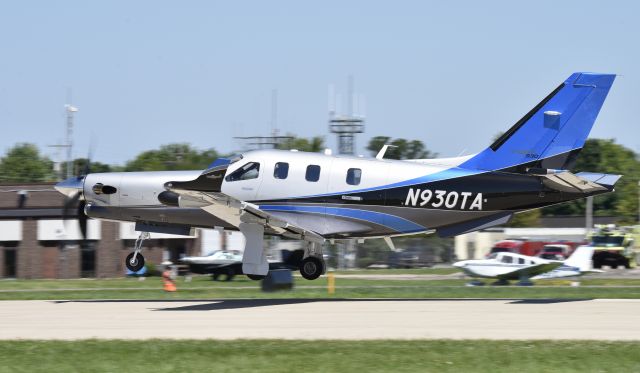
[205, 190]
[530, 271]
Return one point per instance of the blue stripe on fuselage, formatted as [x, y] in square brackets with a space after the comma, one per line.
[394, 222]
[450, 173]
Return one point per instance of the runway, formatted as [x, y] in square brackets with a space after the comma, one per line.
[323, 319]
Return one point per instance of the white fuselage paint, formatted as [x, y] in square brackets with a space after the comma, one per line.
[333, 175]
[142, 188]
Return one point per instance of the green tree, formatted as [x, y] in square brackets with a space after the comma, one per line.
[172, 157]
[603, 155]
[313, 144]
[526, 219]
[402, 148]
[23, 163]
[80, 167]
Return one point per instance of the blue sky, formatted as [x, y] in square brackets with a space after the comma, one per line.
[452, 74]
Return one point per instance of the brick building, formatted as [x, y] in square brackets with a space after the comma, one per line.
[36, 242]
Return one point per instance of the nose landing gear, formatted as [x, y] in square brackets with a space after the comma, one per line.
[135, 261]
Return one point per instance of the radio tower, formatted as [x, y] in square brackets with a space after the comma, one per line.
[345, 126]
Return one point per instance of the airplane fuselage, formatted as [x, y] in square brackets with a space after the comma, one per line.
[338, 197]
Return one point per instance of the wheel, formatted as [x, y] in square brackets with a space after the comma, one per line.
[134, 265]
[215, 277]
[311, 267]
[230, 274]
[614, 266]
[256, 277]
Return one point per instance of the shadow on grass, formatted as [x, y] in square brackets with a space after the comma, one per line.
[226, 304]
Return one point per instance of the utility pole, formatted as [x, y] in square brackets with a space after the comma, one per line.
[589, 215]
[69, 143]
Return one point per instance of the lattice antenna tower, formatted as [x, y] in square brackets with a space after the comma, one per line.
[346, 126]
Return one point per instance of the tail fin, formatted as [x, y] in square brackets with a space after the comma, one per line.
[581, 258]
[553, 132]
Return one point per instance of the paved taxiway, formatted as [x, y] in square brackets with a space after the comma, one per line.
[323, 319]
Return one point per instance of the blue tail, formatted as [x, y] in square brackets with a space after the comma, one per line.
[552, 134]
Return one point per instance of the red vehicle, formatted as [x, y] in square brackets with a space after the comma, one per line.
[529, 247]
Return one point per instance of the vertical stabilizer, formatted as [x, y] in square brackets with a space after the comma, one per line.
[552, 133]
[581, 258]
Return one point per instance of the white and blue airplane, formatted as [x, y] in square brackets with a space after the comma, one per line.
[505, 266]
[318, 197]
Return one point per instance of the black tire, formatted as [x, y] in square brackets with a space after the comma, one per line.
[256, 277]
[614, 266]
[230, 274]
[135, 266]
[597, 264]
[311, 267]
[215, 277]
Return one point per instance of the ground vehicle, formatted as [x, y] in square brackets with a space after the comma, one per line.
[555, 251]
[517, 246]
[614, 246]
[535, 248]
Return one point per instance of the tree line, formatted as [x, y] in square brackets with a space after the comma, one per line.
[24, 163]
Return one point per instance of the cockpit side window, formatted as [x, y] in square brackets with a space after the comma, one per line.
[249, 171]
[507, 259]
[521, 261]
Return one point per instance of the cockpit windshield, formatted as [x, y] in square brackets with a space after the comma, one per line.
[248, 171]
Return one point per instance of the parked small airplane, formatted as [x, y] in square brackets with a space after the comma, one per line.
[505, 266]
[318, 197]
[225, 265]
[219, 258]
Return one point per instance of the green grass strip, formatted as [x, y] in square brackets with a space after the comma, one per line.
[319, 356]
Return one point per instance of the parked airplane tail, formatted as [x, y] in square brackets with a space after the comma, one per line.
[581, 258]
[551, 135]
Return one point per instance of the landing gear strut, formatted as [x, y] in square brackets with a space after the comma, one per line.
[135, 260]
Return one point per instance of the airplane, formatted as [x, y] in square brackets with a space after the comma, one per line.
[227, 264]
[319, 198]
[505, 266]
[219, 258]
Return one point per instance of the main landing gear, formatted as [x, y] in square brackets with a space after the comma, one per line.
[312, 267]
[135, 260]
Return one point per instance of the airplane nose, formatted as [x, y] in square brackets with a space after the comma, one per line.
[459, 264]
[71, 186]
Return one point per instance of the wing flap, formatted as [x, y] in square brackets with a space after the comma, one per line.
[234, 211]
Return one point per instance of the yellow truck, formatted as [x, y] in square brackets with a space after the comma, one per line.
[615, 246]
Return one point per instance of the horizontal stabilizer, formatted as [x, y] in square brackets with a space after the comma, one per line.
[602, 179]
[475, 225]
[570, 183]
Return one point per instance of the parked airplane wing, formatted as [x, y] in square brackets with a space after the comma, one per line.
[202, 190]
[531, 271]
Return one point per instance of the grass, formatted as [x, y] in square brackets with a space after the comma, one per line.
[408, 271]
[203, 288]
[319, 356]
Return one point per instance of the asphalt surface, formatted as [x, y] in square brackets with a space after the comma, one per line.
[323, 319]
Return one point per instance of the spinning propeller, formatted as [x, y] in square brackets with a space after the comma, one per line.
[73, 189]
